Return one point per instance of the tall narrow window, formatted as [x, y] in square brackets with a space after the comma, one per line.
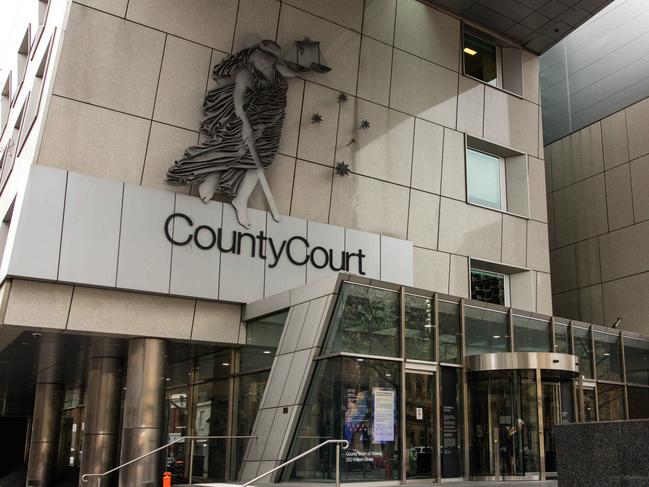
[5, 103]
[22, 56]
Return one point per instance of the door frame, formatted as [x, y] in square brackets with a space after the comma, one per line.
[420, 368]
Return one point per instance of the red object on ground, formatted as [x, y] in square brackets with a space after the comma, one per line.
[166, 479]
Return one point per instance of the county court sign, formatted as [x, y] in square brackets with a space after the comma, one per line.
[99, 232]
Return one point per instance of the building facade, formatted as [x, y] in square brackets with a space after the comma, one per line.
[598, 234]
[134, 314]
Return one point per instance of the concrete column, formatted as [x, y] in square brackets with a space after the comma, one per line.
[103, 396]
[143, 411]
[46, 418]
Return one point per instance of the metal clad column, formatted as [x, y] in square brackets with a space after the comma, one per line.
[143, 411]
[46, 419]
[103, 396]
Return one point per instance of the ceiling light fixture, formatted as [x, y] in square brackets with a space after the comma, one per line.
[267, 352]
[225, 364]
[470, 51]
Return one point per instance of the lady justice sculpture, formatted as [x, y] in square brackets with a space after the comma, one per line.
[243, 118]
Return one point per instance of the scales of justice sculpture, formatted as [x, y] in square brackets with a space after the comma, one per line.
[243, 118]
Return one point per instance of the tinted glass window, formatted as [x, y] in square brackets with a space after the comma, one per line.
[480, 59]
[488, 287]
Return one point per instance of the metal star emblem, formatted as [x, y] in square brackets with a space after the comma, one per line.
[342, 97]
[342, 168]
[316, 118]
[365, 124]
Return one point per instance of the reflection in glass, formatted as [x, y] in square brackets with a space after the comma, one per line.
[483, 179]
[248, 392]
[420, 331]
[366, 321]
[450, 338]
[638, 402]
[358, 400]
[590, 411]
[561, 338]
[504, 423]
[266, 331]
[610, 399]
[212, 366]
[488, 287]
[210, 419]
[583, 351]
[608, 357]
[636, 358]
[177, 417]
[486, 331]
[420, 426]
[531, 335]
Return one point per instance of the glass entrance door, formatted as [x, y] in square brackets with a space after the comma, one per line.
[504, 431]
[551, 416]
[420, 426]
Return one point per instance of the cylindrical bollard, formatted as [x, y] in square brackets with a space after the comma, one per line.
[166, 479]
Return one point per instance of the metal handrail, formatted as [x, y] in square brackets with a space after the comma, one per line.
[345, 444]
[85, 477]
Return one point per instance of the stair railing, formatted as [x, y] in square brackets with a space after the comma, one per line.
[344, 443]
[87, 476]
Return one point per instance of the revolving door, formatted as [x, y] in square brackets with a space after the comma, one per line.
[512, 405]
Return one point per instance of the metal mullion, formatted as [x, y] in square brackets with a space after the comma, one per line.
[539, 419]
[402, 401]
[438, 393]
[553, 339]
[465, 394]
[510, 325]
[626, 393]
[230, 425]
[593, 358]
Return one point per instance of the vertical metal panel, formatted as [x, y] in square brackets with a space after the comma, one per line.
[402, 401]
[539, 412]
[438, 392]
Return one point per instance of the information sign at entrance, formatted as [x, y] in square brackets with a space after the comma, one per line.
[383, 430]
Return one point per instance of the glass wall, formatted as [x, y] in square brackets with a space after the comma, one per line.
[366, 321]
[610, 401]
[357, 387]
[450, 332]
[608, 356]
[214, 391]
[419, 330]
[561, 338]
[583, 350]
[636, 357]
[355, 399]
[531, 335]
[486, 331]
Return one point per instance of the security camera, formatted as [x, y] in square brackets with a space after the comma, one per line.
[36, 335]
[617, 323]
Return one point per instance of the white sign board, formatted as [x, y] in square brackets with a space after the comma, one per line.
[87, 230]
[383, 426]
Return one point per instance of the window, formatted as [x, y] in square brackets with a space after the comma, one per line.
[450, 332]
[43, 11]
[610, 401]
[489, 287]
[23, 54]
[636, 359]
[608, 357]
[35, 97]
[485, 176]
[492, 61]
[420, 328]
[480, 59]
[531, 335]
[583, 347]
[561, 338]
[496, 177]
[5, 103]
[486, 331]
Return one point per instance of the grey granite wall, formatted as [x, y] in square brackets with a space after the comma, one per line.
[607, 454]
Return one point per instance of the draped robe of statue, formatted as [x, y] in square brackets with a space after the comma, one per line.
[224, 150]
